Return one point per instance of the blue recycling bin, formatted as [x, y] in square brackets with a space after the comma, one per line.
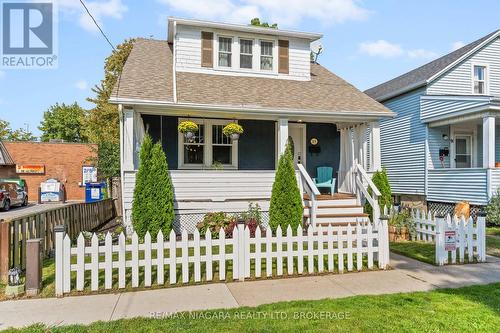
[94, 191]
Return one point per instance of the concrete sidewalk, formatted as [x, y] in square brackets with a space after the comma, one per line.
[408, 275]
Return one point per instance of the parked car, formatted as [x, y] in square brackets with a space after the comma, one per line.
[12, 194]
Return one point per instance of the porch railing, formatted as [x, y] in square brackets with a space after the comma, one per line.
[307, 186]
[363, 183]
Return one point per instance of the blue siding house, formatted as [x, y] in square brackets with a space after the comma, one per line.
[444, 144]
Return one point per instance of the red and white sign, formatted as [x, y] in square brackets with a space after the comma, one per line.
[30, 168]
[450, 240]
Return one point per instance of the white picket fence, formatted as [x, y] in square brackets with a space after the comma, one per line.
[336, 247]
[469, 237]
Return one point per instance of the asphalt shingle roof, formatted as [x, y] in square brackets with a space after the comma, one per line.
[5, 158]
[423, 73]
[147, 75]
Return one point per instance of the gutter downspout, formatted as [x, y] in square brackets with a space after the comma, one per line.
[174, 61]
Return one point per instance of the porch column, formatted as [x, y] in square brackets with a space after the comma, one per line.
[375, 160]
[128, 140]
[282, 135]
[488, 142]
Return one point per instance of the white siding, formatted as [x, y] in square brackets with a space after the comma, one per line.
[458, 81]
[495, 180]
[188, 54]
[403, 144]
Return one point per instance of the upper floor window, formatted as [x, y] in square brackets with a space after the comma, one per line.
[479, 80]
[225, 51]
[266, 55]
[246, 53]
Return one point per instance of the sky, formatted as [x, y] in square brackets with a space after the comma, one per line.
[365, 42]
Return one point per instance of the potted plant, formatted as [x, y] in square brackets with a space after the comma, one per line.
[188, 128]
[401, 226]
[233, 131]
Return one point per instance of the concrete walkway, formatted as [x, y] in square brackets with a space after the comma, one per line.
[408, 275]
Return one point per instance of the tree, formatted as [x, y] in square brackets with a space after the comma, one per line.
[381, 181]
[102, 123]
[153, 204]
[66, 122]
[7, 133]
[286, 205]
[256, 21]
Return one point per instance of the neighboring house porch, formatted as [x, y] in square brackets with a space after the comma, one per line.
[463, 147]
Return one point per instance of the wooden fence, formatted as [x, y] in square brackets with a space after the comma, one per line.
[117, 264]
[76, 217]
[454, 238]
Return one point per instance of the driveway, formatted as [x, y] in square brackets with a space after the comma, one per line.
[32, 208]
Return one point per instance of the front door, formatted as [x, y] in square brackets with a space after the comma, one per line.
[463, 151]
[297, 133]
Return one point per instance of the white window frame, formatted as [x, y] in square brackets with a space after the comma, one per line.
[273, 56]
[486, 78]
[207, 146]
[252, 54]
[472, 133]
[230, 53]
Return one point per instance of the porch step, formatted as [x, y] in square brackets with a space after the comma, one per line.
[335, 196]
[335, 202]
[336, 209]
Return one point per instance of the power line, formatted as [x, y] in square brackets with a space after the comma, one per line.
[97, 25]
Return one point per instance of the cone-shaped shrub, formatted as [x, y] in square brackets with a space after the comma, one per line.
[381, 181]
[140, 210]
[286, 201]
[153, 205]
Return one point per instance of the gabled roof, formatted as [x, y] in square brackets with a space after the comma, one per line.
[421, 76]
[5, 158]
[147, 76]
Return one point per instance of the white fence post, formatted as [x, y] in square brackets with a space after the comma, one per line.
[241, 250]
[383, 242]
[439, 244]
[481, 237]
[60, 231]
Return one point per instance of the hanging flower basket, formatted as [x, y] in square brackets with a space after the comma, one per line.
[233, 131]
[188, 128]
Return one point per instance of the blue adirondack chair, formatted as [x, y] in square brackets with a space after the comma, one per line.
[325, 178]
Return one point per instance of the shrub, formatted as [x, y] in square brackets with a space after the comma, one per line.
[187, 126]
[381, 181]
[214, 222]
[493, 210]
[232, 128]
[162, 193]
[286, 207]
[140, 204]
[153, 204]
[401, 220]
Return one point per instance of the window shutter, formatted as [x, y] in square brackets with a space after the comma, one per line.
[207, 47]
[283, 56]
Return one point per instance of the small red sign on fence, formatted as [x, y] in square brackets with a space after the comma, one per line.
[450, 240]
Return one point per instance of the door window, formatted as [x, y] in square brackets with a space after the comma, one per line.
[463, 155]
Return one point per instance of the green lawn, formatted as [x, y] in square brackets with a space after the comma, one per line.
[493, 246]
[493, 231]
[417, 250]
[475, 308]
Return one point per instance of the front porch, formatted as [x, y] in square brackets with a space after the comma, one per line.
[463, 148]
[211, 173]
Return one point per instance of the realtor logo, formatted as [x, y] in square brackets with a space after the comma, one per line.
[28, 35]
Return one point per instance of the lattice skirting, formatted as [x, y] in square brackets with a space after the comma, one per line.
[444, 208]
[189, 221]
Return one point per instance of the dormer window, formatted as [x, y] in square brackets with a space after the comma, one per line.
[266, 55]
[225, 51]
[479, 80]
[246, 53]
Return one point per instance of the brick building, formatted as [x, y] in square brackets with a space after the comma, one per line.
[63, 161]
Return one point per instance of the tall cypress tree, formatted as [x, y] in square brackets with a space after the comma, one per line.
[162, 192]
[141, 212]
[286, 205]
